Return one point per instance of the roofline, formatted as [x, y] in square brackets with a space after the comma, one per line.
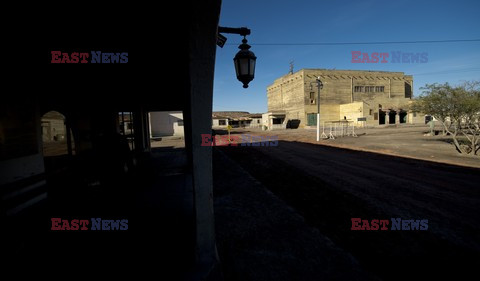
[346, 70]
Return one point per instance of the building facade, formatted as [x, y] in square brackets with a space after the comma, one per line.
[363, 97]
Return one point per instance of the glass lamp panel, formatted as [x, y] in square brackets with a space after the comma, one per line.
[244, 66]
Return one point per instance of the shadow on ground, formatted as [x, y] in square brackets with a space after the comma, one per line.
[153, 197]
[328, 186]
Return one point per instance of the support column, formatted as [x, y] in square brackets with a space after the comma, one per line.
[140, 129]
[69, 136]
[198, 114]
[387, 117]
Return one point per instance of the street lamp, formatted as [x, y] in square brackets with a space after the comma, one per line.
[244, 61]
[319, 87]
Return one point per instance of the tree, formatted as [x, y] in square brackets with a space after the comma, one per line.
[457, 109]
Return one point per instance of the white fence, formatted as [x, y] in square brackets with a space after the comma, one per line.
[335, 129]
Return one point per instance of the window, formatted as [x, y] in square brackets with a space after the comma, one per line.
[375, 116]
[258, 121]
[277, 120]
[408, 91]
[180, 123]
[222, 122]
[312, 98]
[371, 112]
[369, 89]
[414, 114]
[380, 89]
[358, 89]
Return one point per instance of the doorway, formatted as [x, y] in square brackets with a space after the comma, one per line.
[391, 116]
[311, 119]
[381, 117]
[57, 140]
[403, 117]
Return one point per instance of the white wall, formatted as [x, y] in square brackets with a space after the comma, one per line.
[166, 123]
[256, 122]
[266, 119]
[353, 111]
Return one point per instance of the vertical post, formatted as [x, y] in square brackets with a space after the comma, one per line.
[318, 110]
[146, 132]
[123, 124]
[228, 129]
[140, 131]
[69, 137]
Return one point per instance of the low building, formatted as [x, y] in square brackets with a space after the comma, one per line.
[256, 120]
[236, 119]
[219, 122]
[274, 120]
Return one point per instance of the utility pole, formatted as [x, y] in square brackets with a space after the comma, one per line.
[319, 86]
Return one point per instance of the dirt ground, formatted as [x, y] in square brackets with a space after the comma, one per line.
[405, 141]
[328, 186]
[55, 148]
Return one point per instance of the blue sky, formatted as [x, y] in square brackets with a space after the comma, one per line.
[306, 21]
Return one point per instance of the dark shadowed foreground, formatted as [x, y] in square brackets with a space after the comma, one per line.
[260, 237]
[327, 187]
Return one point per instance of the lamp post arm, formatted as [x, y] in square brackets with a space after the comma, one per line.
[242, 30]
[245, 59]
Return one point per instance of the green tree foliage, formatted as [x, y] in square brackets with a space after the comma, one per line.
[458, 110]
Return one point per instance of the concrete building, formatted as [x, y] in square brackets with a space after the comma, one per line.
[364, 97]
[274, 120]
[166, 123]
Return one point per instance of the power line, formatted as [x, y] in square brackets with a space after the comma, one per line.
[361, 43]
[449, 71]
